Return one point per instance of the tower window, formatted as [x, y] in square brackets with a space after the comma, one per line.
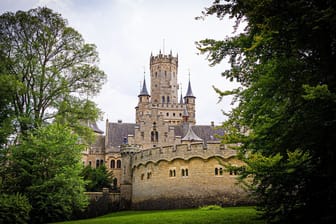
[112, 165]
[118, 164]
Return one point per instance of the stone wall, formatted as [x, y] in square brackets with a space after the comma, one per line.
[185, 176]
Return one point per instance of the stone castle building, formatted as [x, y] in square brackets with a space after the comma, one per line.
[165, 160]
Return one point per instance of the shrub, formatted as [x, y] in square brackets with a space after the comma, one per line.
[14, 208]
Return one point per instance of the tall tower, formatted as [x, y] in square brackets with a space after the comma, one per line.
[163, 71]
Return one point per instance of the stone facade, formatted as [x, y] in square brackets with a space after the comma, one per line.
[164, 160]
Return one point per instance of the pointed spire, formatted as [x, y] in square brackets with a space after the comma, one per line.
[189, 90]
[144, 91]
[181, 98]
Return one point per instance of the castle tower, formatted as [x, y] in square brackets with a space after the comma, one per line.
[164, 87]
[189, 101]
[143, 104]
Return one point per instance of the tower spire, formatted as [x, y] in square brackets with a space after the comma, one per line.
[189, 90]
[144, 91]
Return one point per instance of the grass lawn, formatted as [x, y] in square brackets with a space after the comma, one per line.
[210, 214]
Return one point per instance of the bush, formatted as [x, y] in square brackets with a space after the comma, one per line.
[14, 208]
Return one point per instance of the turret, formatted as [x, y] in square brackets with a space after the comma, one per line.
[143, 104]
[189, 101]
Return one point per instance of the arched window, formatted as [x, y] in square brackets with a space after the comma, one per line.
[90, 163]
[216, 171]
[170, 173]
[118, 164]
[186, 172]
[182, 172]
[221, 171]
[112, 165]
[168, 99]
[101, 162]
[154, 136]
[163, 99]
[97, 163]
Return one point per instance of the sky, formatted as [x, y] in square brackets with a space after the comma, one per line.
[126, 32]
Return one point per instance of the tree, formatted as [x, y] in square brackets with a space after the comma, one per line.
[46, 167]
[97, 178]
[285, 62]
[53, 66]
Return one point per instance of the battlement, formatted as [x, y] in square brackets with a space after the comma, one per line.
[163, 58]
[183, 151]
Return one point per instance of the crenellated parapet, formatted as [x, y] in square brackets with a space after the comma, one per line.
[182, 151]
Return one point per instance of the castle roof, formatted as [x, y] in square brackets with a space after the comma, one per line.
[144, 91]
[205, 132]
[95, 128]
[191, 136]
[118, 131]
[189, 91]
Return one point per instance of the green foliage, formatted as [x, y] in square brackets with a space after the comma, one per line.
[285, 62]
[210, 207]
[14, 208]
[97, 178]
[234, 215]
[46, 167]
[52, 66]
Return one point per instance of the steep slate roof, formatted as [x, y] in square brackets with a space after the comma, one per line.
[205, 132]
[191, 136]
[95, 128]
[118, 131]
[189, 91]
[144, 91]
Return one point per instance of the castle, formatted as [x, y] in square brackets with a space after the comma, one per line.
[164, 160]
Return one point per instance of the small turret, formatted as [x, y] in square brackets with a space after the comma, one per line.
[189, 101]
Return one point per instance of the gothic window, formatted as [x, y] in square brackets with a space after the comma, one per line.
[168, 99]
[163, 99]
[97, 163]
[101, 162]
[112, 165]
[118, 164]
[149, 175]
[142, 176]
[173, 114]
[155, 74]
[167, 114]
[219, 171]
[184, 172]
[165, 74]
[172, 172]
[90, 163]
[142, 135]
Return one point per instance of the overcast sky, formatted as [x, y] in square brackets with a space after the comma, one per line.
[126, 32]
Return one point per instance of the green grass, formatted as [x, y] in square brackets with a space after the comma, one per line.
[206, 215]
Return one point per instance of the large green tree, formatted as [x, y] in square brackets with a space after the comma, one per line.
[285, 62]
[53, 65]
[46, 168]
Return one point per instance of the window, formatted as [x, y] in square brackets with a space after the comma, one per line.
[163, 99]
[112, 164]
[118, 164]
[219, 171]
[97, 163]
[184, 172]
[142, 176]
[149, 175]
[172, 172]
[90, 163]
[168, 99]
